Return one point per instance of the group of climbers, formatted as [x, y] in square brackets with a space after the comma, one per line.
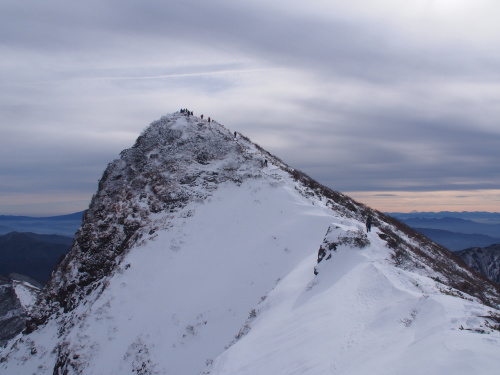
[186, 112]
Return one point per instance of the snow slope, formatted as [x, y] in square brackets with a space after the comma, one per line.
[361, 315]
[194, 258]
[184, 296]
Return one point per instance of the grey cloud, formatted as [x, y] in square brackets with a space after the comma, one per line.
[380, 109]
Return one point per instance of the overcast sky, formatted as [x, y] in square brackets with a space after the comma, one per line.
[395, 103]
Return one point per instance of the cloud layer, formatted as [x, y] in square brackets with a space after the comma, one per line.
[364, 96]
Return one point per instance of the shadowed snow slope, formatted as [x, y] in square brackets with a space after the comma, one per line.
[194, 257]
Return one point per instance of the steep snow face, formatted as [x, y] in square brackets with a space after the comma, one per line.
[196, 257]
[178, 299]
[177, 160]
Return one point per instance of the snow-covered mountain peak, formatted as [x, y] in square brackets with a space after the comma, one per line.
[203, 253]
[177, 160]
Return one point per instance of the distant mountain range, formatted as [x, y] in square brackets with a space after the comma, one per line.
[31, 254]
[457, 241]
[477, 216]
[455, 230]
[32, 245]
[473, 236]
[63, 225]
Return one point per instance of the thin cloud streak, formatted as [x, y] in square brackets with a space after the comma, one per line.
[174, 75]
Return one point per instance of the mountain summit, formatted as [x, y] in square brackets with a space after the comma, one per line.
[201, 253]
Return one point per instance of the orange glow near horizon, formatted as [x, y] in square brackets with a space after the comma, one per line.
[62, 203]
[430, 201]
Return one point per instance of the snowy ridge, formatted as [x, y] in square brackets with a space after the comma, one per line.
[194, 257]
[361, 315]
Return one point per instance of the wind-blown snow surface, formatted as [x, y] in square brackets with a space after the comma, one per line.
[225, 284]
[360, 316]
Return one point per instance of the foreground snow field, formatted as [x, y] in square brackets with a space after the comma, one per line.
[361, 315]
[215, 274]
